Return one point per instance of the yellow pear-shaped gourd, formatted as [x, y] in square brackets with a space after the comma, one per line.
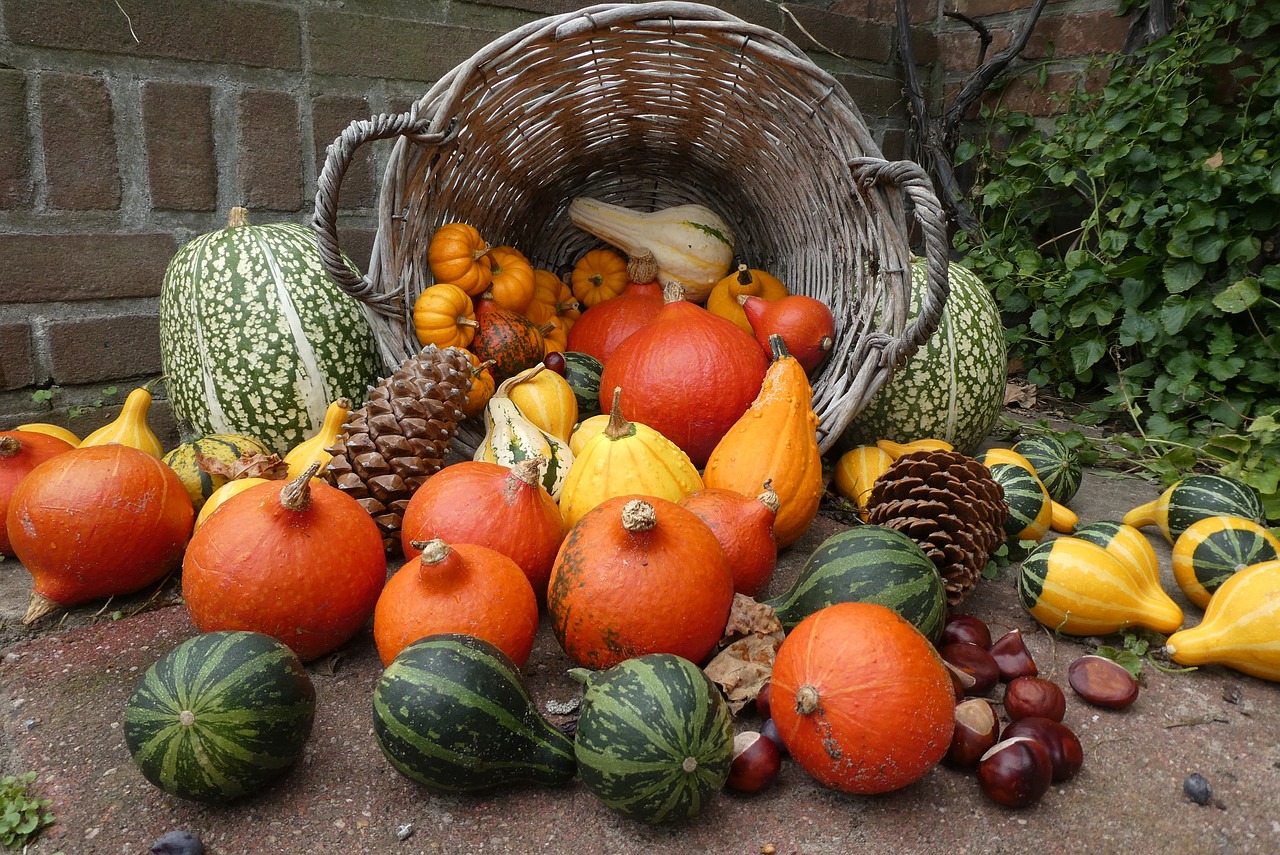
[897, 449]
[857, 470]
[1194, 498]
[743, 282]
[510, 437]
[1241, 627]
[226, 491]
[52, 430]
[1076, 587]
[546, 399]
[586, 429]
[1214, 549]
[625, 458]
[775, 440]
[1062, 519]
[314, 450]
[130, 427]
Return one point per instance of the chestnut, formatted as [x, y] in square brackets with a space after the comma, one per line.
[968, 628]
[1028, 696]
[977, 729]
[1012, 657]
[755, 764]
[978, 671]
[554, 361]
[770, 730]
[1065, 752]
[1015, 772]
[1102, 682]
[762, 700]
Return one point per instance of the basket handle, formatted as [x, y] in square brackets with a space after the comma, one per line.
[914, 182]
[338, 157]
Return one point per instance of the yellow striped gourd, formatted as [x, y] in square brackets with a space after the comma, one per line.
[856, 470]
[1241, 627]
[1211, 550]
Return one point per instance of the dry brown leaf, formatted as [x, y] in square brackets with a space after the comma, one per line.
[741, 669]
[1020, 395]
[251, 464]
[748, 616]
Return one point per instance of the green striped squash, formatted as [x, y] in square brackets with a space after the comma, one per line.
[868, 564]
[226, 448]
[953, 387]
[655, 738]
[452, 713]
[1194, 498]
[255, 338]
[1055, 463]
[220, 716]
[583, 370]
[1030, 510]
[1124, 542]
[1213, 549]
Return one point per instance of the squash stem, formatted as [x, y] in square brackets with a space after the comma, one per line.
[530, 470]
[296, 495]
[806, 700]
[433, 551]
[9, 446]
[618, 426]
[237, 217]
[638, 515]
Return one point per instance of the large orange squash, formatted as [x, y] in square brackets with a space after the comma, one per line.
[20, 452]
[637, 575]
[609, 322]
[861, 699]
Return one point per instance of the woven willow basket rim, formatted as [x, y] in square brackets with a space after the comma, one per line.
[650, 105]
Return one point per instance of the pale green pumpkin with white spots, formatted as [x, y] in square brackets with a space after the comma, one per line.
[255, 337]
[953, 387]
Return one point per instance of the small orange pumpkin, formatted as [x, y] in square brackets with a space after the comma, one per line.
[743, 282]
[459, 255]
[444, 315]
[555, 336]
[512, 282]
[482, 386]
[599, 275]
[599, 331]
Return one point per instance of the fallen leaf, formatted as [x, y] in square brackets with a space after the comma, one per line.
[753, 634]
[251, 464]
[1214, 160]
[1020, 395]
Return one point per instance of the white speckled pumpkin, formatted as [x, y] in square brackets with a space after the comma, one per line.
[953, 387]
[254, 336]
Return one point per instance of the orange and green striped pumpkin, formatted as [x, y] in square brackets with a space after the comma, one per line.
[511, 340]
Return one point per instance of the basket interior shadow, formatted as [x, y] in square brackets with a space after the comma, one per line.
[648, 106]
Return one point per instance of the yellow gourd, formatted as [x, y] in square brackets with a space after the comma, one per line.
[1076, 587]
[625, 458]
[511, 437]
[897, 449]
[1063, 519]
[1125, 543]
[1241, 627]
[775, 440]
[130, 427]
[857, 470]
[313, 450]
[220, 495]
[52, 430]
[743, 282]
[546, 399]
[1213, 549]
[586, 429]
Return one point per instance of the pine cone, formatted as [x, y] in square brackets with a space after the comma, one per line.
[950, 505]
[400, 437]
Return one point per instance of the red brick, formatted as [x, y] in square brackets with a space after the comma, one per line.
[918, 11]
[17, 357]
[1025, 94]
[330, 116]
[985, 8]
[15, 145]
[270, 152]
[378, 46]
[850, 37]
[79, 143]
[1081, 34]
[51, 268]
[178, 125]
[230, 32]
[95, 349]
[961, 49]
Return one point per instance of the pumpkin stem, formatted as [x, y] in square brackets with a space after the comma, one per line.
[477, 254]
[806, 700]
[150, 385]
[638, 515]
[464, 321]
[672, 292]
[744, 275]
[237, 217]
[186, 718]
[642, 267]
[530, 470]
[38, 607]
[618, 426]
[779, 347]
[433, 551]
[769, 498]
[9, 446]
[690, 764]
[296, 495]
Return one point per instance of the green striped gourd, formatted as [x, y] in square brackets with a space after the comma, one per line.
[1030, 509]
[1194, 498]
[582, 370]
[868, 564]
[225, 448]
[254, 336]
[1125, 543]
[953, 387]
[452, 713]
[220, 716]
[1055, 464]
[655, 737]
[1213, 549]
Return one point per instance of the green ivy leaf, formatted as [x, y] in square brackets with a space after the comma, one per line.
[1239, 296]
[1182, 275]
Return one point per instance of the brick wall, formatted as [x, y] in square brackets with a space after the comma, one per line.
[126, 130]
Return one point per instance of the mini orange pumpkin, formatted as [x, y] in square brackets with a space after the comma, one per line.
[459, 255]
[512, 278]
[444, 315]
[599, 275]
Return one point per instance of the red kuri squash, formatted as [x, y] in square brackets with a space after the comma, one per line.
[744, 527]
[805, 324]
[609, 322]
[20, 452]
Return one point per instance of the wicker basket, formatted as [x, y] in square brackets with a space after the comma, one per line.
[651, 105]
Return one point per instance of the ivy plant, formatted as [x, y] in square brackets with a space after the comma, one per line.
[1134, 247]
[22, 815]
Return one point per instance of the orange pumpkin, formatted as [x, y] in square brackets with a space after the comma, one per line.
[297, 560]
[462, 588]
[806, 325]
[608, 323]
[550, 291]
[512, 278]
[459, 255]
[861, 699]
[744, 527]
[507, 510]
[508, 338]
[482, 386]
[20, 452]
[555, 336]
[599, 275]
[637, 575]
[444, 315]
[97, 521]
[743, 282]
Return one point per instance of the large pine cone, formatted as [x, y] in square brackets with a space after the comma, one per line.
[949, 504]
[400, 437]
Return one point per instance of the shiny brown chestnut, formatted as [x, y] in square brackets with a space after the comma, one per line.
[554, 361]
[1028, 696]
[974, 663]
[1102, 682]
[1012, 657]
[1065, 752]
[770, 730]
[977, 729]
[762, 701]
[1015, 772]
[755, 764]
[960, 627]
